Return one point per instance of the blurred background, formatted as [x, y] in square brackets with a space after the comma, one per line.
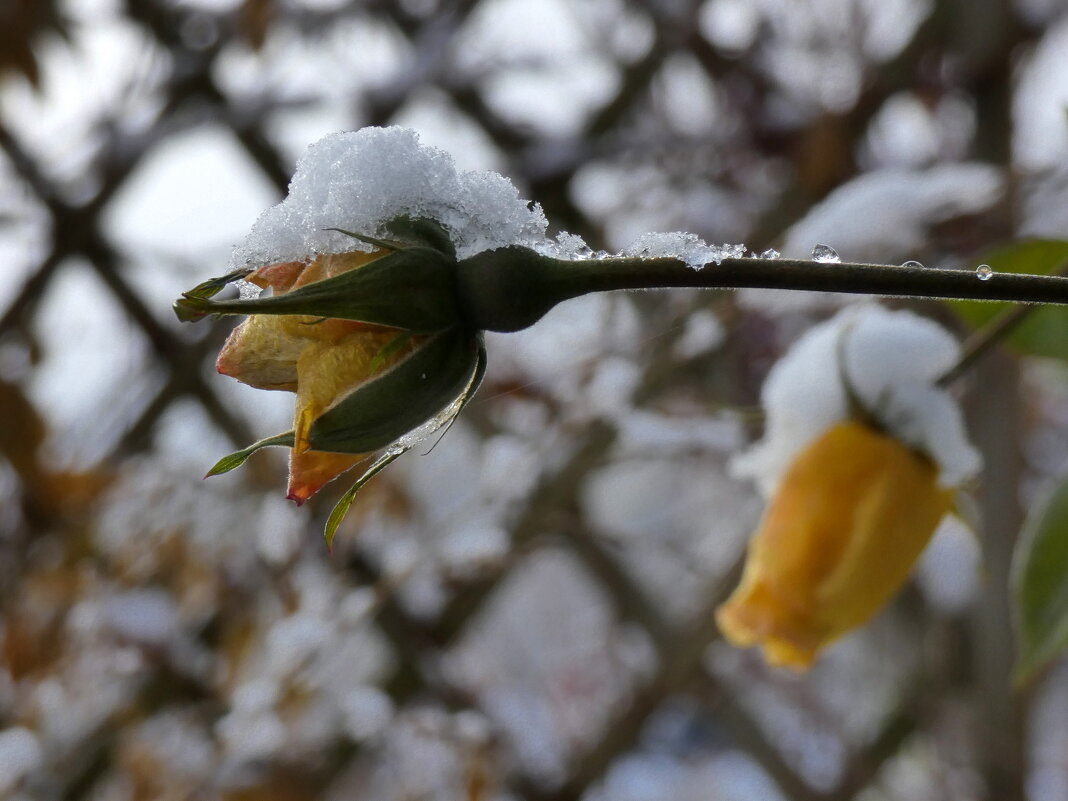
[523, 611]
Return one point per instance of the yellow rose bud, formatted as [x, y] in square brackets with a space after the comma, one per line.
[321, 360]
[848, 521]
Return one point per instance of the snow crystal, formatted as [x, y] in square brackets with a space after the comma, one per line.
[360, 180]
[689, 248]
[20, 753]
[892, 359]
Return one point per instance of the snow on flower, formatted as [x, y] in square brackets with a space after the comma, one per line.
[861, 453]
[892, 360]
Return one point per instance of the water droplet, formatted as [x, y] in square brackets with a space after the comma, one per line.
[825, 254]
[983, 272]
[912, 264]
[770, 253]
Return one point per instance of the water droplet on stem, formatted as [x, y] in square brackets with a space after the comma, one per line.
[983, 272]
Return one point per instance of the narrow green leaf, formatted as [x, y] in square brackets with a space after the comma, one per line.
[1045, 330]
[238, 458]
[342, 507]
[389, 350]
[1040, 585]
[213, 286]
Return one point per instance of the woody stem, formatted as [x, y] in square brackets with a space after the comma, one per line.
[866, 279]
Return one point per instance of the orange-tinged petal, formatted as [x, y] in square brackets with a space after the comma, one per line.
[310, 471]
[279, 277]
[851, 516]
[330, 369]
[330, 264]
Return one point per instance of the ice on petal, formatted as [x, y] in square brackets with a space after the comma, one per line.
[892, 360]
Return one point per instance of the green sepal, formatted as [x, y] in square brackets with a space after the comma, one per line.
[381, 244]
[381, 410]
[191, 306]
[422, 231]
[396, 450]
[341, 508]
[238, 458]
[412, 288]
[387, 351]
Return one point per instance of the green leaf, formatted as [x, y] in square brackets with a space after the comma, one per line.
[1044, 332]
[1040, 585]
[238, 458]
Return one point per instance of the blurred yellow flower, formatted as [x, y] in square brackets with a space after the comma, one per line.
[848, 520]
[321, 360]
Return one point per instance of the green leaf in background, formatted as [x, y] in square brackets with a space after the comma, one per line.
[1040, 585]
[1044, 332]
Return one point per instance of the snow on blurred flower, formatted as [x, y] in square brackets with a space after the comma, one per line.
[860, 455]
[20, 753]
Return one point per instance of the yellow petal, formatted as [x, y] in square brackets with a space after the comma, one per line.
[329, 369]
[850, 518]
[262, 352]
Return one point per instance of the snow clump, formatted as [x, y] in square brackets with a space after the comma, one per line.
[893, 360]
[360, 180]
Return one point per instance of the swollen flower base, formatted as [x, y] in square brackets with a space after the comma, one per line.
[850, 517]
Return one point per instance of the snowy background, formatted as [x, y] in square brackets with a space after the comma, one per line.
[523, 612]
